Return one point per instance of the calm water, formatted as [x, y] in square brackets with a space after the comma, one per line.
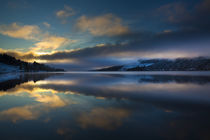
[101, 106]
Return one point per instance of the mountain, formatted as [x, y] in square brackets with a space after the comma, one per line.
[180, 64]
[11, 64]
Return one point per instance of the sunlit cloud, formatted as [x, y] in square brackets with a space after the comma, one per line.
[65, 13]
[167, 31]
[101, 45]
[51, 42]
[46, 24]
[27, 32]
[105, 25]
[32, 55]
[45, 41]
[29, 56]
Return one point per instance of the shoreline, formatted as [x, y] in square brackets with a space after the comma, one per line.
[207, 73]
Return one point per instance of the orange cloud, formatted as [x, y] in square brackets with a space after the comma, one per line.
[51, 42]
[27, 32]
[66, 12]
[46, 24]
[45, 42]
[108, 25]
[29, 56]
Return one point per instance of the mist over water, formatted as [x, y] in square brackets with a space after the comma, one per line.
[105, 105]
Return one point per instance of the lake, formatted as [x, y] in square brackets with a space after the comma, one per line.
[105, 105]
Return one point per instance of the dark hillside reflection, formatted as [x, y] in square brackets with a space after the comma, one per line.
[105, 106]
[20, 78]
[174, 78]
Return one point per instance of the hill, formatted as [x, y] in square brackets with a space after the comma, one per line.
[181, 64]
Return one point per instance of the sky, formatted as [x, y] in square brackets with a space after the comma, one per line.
[90, 34]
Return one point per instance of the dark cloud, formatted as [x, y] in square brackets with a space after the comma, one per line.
[158, 42]
[89, 64]
[174, 12]
[186, 16]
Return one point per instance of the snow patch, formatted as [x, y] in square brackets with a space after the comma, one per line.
[134, 65]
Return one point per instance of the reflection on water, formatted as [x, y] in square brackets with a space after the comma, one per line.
[12, 80]
[105, 106]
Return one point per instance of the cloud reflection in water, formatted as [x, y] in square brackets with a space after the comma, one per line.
[71, 104]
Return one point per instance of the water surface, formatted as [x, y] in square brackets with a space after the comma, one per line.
[101, 106]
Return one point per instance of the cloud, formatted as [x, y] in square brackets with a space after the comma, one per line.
[65, 13]
[187, 17]
[204, 6]
[167, 31]
[105, 25]
[27, 32]
[101, 45]
[51, 42]
[174, 12]
[45, 41]
[46, 24]
[19, 54]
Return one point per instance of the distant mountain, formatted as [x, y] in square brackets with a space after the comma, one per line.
[11, 64]
[181, 64]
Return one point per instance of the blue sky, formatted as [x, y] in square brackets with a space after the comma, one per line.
[92, 33]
